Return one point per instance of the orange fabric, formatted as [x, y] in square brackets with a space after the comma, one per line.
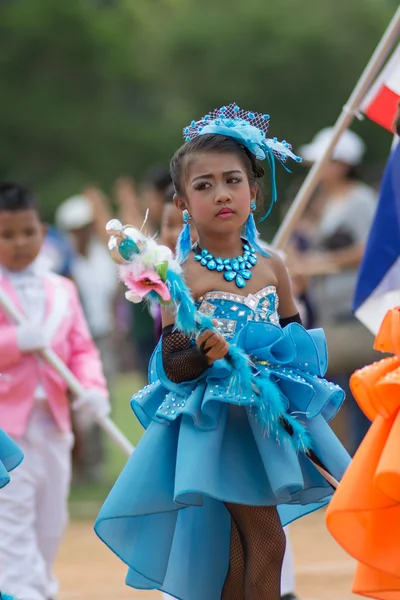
[364, 514]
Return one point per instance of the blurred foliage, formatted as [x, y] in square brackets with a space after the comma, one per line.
[91, 90]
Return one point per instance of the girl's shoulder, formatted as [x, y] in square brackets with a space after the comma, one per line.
[198, 279]
[275, 260]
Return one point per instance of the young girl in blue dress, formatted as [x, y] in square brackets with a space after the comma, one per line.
[199, 508]
[10, 457]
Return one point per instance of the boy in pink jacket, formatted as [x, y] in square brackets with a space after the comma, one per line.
[34, 401]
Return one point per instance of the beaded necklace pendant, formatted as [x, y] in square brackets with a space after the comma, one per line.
[236, 269]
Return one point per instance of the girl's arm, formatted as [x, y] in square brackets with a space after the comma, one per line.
[287, 305]
[185, 359]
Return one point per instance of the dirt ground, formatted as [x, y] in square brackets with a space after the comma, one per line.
[89, 571]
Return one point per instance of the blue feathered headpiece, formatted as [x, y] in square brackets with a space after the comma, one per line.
[249, 129]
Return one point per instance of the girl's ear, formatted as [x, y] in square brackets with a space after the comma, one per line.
[253, 192]
[180, 202]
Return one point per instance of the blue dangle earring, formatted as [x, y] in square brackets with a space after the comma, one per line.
[184, 243]
[251, 233]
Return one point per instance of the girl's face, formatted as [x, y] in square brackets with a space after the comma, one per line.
[217, 192]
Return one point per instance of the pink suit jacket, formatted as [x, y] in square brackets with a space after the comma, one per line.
[69, 337]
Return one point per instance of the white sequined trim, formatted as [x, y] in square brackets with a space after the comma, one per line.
[251, 300]
[206, 308]
[226, 327]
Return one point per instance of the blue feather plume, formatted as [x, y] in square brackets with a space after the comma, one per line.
[190, 322]
[184, 244]
[273, 416]
[184, 303]
[253, 237]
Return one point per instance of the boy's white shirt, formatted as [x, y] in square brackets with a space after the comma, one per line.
[29, 286]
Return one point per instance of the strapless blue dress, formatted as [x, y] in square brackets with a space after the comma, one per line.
[205, 444]
[10, 457]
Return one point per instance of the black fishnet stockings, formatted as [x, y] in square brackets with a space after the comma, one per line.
[256, 555]
[182, 360]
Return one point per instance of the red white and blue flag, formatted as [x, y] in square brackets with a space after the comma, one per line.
[380, 104]
[378, 285]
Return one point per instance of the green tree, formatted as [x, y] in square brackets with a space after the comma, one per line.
[70, 98]
[91, 89]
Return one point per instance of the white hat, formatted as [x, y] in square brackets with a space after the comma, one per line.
[349, 149]
[74, 213]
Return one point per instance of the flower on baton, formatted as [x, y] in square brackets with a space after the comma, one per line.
[151, 274]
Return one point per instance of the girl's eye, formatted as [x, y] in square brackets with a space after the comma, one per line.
[235, 180]
[202, 185]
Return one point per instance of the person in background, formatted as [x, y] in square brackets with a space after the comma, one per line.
[171, 221]
[95, 276]
[57, 253]
[34, 403]
[153, 191]
[346, 209]
[132, 204]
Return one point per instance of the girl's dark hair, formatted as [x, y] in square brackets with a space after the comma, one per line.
[14, 197]
[214, 143]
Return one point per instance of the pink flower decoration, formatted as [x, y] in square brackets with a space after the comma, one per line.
[148, 281]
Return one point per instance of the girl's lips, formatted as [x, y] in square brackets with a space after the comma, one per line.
[225, 212]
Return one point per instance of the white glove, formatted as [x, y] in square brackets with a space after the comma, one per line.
[93, 403]
[31, 337]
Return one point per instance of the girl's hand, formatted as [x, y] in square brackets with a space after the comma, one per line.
[213, 345]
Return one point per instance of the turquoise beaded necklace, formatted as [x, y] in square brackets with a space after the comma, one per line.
[236, 269]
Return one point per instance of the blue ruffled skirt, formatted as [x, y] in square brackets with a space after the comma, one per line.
[204, 445]
[10, 457]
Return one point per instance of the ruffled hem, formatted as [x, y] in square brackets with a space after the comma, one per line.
[364, 516]
[184, 476]
[288, 383]
[10, 457]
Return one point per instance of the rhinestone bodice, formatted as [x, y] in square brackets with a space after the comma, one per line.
[232, 311]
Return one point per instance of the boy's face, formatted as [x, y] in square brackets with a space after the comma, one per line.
[21, 237]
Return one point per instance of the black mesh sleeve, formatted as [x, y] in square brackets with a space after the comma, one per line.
[182, 360]
[293, 319]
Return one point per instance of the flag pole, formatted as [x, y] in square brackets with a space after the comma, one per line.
[345, 118]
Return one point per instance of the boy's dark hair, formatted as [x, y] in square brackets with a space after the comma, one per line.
[159, 178]
[14, 196]
[214, 143]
